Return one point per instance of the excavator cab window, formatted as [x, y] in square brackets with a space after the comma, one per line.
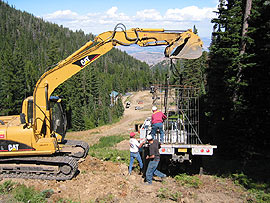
[30, 111]
[59, 121]
[22, 118]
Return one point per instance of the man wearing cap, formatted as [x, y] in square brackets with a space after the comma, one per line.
[154, 158]
[157, 123]
[134, 152]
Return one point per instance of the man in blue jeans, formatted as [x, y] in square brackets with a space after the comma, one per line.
[134, 152]
[157, 123]
[154, 157]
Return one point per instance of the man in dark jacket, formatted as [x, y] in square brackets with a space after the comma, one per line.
[154, 157]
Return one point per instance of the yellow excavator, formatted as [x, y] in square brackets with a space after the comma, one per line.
[33, 144]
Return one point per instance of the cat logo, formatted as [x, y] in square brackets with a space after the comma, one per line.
[86, 60]
[13, 147]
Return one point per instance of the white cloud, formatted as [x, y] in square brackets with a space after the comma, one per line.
[148, 15]
[191, 13]
[112, 12]
[62, 15]
[173, 18]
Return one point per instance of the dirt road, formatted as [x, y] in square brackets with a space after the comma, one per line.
[125, 125]
[104, 181]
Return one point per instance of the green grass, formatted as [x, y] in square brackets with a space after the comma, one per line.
[254, 176]
[6, 187]
[165, 193]
[104, 149]
[108, 141]
[188, 181]
[22, 193]
[26, 194]
[261, 191]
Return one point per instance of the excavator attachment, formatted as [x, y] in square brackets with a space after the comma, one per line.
[180, 43]
[188, 46]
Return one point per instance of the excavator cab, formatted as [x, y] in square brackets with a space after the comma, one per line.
[58, 118]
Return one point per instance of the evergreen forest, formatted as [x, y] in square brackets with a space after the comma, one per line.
[29, 46]
[234, 77]
[238, 85]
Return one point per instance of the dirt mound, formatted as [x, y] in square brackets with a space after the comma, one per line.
[101, 181]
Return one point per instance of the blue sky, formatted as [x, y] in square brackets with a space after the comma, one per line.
[102, 15]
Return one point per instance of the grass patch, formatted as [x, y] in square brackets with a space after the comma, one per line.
[22, 193]
[261, 191]
[254, 177]
[164, 193]
[104, 149]
[108, 141]
[189, 181]
[6, 187]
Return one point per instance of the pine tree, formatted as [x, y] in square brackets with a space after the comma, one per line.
[255, 113]
[221, 75]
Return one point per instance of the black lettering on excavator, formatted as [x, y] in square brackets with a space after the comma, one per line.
[8, 145]
[84, 61]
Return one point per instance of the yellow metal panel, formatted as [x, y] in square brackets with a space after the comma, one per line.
[46, 144]
[19, 134]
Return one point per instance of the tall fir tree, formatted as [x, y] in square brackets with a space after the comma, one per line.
[221, 74]
[238, 106]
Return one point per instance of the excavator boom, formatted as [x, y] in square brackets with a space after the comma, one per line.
[180, 44]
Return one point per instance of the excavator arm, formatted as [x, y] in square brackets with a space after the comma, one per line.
[180, 44]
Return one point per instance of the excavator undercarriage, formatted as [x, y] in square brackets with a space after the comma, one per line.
[39, 167]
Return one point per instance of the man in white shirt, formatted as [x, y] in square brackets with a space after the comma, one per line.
[134, 152]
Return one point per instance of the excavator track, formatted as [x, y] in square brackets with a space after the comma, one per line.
[76, 144]
[40, 167]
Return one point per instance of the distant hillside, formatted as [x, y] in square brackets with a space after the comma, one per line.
[149, 55]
